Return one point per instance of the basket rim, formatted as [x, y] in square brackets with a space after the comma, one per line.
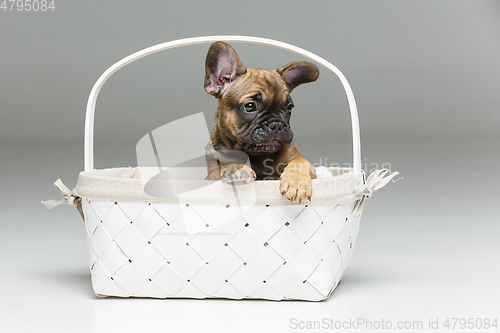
[131, 184]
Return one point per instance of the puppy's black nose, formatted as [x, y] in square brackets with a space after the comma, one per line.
[277, 126]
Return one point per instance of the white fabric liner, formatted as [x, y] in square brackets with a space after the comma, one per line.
[187, 184]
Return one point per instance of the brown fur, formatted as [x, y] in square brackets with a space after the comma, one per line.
[239, 86]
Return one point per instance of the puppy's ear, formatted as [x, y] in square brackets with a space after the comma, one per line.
[222, 66]
[298, 72]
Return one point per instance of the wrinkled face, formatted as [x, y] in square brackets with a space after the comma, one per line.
[256, 108]
[254, 104]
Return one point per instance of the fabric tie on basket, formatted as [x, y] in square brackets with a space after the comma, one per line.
[377, 180]
[69, 197]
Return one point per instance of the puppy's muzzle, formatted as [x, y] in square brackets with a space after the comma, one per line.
[273, 131]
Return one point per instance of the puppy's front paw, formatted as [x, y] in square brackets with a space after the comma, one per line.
[236, 173]
[297, 187]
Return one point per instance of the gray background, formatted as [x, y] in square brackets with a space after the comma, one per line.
[426, 77]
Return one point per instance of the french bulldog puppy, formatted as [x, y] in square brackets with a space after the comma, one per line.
[253, 117]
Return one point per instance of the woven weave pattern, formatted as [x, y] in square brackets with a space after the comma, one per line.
[161, 250]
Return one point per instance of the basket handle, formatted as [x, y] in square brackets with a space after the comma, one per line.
[89, 118]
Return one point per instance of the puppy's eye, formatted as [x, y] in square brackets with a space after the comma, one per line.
[250, 107]
[289, 107]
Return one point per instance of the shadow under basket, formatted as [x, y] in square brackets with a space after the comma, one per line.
[214, 240]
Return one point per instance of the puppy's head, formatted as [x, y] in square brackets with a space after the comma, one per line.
[254, 104]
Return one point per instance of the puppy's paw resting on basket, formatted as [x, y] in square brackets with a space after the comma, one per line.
[296, 184]
[296, 187]
[237, 173]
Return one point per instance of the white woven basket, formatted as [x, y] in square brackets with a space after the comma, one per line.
[270, 249]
